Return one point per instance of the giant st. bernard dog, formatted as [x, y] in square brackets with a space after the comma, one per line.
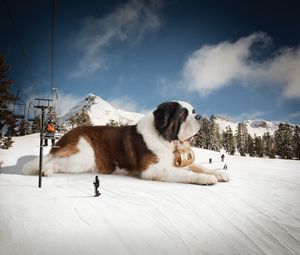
[147, 149]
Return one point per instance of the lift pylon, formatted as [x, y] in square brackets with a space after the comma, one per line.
[42, 104]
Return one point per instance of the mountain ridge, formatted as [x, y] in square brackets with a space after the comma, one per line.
[101, 113]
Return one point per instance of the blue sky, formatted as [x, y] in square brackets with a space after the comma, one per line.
[240, 59]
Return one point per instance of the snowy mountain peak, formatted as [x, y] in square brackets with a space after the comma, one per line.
[95, 100]
[262, 124]
[222, 118]
[255, 127]
[101, 112]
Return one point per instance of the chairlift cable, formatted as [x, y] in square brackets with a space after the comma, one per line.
[19, 41]
[55, 98]
[57, 105]
[52, 47]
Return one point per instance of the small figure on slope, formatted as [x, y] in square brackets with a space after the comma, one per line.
[96, 185]
[222, 157]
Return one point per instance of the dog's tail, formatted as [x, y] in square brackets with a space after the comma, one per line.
[32, 167]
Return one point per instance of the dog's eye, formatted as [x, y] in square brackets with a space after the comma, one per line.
[193, 111]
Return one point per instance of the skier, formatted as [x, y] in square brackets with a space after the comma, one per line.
[222, 157]
[96, 185]
[1, 164]
[50, 131]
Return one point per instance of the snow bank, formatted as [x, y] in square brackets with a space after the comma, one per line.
[24, 149]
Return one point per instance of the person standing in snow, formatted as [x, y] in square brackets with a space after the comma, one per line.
[50, 131]
[222, 157]
[1, 163]
[96, 185]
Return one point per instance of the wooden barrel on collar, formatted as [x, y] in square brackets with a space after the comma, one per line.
[183, 158]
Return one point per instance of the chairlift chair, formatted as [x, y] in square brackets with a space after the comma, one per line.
[19, 109]
[31, 112]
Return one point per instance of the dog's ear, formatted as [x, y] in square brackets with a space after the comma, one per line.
[166, 120]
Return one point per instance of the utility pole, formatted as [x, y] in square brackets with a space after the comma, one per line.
[43, 105]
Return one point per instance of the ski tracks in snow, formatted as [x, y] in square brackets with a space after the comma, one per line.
[257, 212]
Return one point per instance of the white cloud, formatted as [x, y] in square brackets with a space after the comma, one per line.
[294, 116]
[213, 67]
[66, 101]
[284, 70]
[127, 104]
[254, 115]
[129, 22]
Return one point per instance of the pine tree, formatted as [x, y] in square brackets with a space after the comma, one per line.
[6, 143]
[206, 133]
[223, 139]
[228, 141]
[214, 135]
[258, 147]
[23, 128]
[114, 123]
[268, 145]
[52, 114]
[36, 125]
[84, 119]
[79, 119]
[72, 121]
[241, 136]
[296, 142]
[11, 129]
[284, 141]
[202, 138]
[250, 146]
[238, 138]
[7, 121]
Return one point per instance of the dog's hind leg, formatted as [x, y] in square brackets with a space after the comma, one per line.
[79, 158]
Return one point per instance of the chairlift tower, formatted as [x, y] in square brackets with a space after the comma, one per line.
[42, 104]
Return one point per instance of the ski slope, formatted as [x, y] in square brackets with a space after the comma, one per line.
[256, 212]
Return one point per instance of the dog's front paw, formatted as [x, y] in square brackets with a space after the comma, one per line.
[47, 172]
[208, 179]
[221, 175]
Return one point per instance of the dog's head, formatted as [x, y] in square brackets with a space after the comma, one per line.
[176, 121]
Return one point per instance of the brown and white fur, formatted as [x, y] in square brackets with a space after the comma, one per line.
[145, 150]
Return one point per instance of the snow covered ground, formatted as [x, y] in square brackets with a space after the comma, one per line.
[257, 212]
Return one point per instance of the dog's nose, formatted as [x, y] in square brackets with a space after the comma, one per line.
[198, 117]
